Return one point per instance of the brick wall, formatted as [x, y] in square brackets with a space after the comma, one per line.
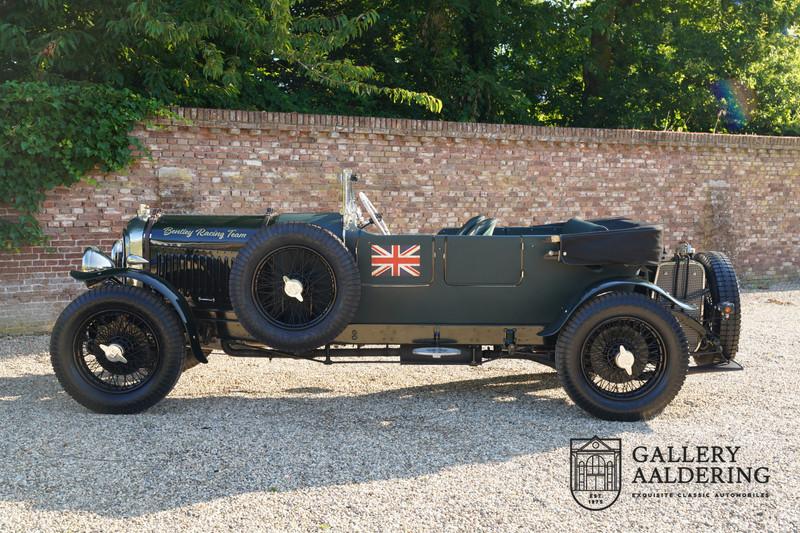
[740, 194]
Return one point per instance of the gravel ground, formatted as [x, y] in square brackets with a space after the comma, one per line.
[248, 444]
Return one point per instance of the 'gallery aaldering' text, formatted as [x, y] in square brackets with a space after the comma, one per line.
[694, 464]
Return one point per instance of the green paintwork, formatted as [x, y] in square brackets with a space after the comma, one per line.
[216, 221]
[201, 229]
[507, 279]
[512, 278]
[229, 230]
[330, 221]
[611, 285]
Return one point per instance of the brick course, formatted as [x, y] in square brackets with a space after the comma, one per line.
[739, 194]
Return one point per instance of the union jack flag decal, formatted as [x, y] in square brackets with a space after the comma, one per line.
[396, 261]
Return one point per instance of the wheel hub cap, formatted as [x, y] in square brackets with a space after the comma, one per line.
[293, 288]
[114, 353]
[624, 360]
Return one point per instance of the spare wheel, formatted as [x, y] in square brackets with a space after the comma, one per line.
[295, 287]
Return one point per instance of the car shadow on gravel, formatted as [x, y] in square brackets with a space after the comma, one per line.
[187, 450]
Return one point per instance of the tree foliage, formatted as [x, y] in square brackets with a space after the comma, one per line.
[54, 135]
[75, 76]
[225, 53]
[698, 65]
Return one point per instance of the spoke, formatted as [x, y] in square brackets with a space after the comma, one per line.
[137, 340]
[602, 346]
[307, 267]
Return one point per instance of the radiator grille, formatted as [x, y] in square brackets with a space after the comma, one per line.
[672, 277]
[203, 277]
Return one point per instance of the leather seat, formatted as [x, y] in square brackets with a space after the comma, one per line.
[485, 227]
[469, 225]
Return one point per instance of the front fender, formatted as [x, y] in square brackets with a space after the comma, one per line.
[606, 286]
[158, 284]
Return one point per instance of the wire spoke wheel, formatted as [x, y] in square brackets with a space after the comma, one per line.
[603, 347]
[294, 287]
[116, 350]
[622, 356]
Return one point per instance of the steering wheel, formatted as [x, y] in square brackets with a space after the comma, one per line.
[374, 216]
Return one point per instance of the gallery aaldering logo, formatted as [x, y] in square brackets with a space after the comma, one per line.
[595, 471]
[700, 471]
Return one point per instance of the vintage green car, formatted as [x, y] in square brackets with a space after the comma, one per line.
[598, 300]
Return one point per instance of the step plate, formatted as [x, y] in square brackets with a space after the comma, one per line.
[435, 355]
[437, 352]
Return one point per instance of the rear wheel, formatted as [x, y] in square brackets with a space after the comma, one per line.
[724, 287]
[117, 349]
[622, 357]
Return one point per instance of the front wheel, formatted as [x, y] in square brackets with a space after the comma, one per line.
[117, 349]
[622, 356]
[723, 287]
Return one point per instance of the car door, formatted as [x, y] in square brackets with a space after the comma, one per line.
[472, 260]
[395, 260]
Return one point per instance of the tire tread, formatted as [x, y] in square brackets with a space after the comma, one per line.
[586, 313]
[172, 346]
[295, 341]
[724, 286]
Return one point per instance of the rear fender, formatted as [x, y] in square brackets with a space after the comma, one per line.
[158, 284]
[609, 286]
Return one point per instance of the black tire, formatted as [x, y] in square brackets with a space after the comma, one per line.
[724, 287]
[643, 321]
[267, 316]
[133, 317]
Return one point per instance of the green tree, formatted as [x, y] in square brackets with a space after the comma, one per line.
[189, 52]
[699, 65]
[450, 47]
[54, 135]
[76, 75]
[681, 64]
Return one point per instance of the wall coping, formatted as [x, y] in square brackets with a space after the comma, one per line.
[231, 118]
